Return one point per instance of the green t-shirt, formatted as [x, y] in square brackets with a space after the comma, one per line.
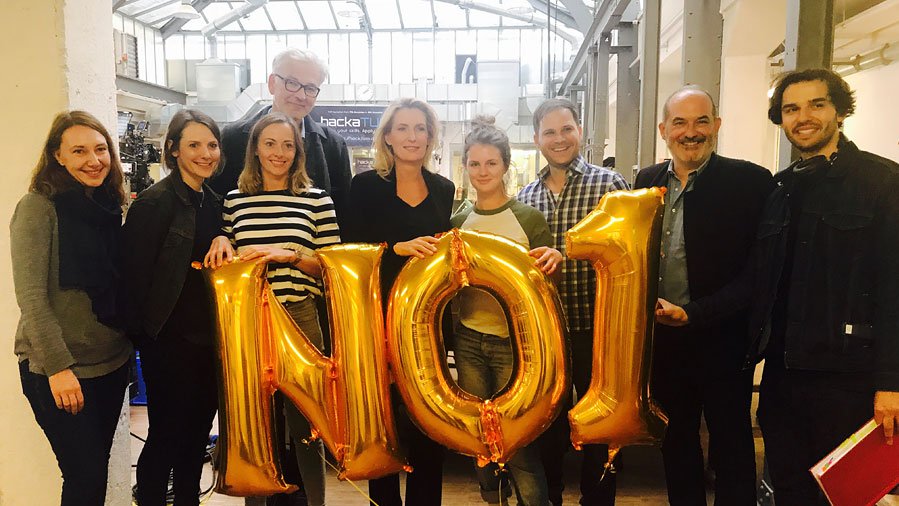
[478, 310]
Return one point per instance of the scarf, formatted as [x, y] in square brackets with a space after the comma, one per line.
[88, 247]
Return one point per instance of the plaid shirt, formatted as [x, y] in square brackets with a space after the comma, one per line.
[585, 185]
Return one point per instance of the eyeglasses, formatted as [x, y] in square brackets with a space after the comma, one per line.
[293, 86]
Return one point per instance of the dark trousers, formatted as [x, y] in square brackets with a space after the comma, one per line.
[595, 490]
[686, 389]
[80, 442]
[424, 485]
[181, 403]
[804, 415]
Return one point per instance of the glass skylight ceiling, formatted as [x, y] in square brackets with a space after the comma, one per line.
[332, 15]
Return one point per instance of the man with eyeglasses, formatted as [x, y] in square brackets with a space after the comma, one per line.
[294, 83]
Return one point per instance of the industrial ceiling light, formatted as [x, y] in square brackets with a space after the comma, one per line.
[186, 11]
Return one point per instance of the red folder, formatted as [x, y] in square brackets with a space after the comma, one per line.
[860, 471]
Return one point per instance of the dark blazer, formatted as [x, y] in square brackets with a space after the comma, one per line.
[373, 206]
[327, 159]
[721, 217]
[158, 238]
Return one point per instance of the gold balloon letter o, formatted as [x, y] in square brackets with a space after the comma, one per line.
[491, 430]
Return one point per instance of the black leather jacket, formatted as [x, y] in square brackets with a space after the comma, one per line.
[842, 313]
[158, 239]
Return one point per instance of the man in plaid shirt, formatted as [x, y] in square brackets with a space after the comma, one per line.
[566, 191]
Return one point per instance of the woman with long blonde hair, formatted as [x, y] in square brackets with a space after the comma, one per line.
[406, 205]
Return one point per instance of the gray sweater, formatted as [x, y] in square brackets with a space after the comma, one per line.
[58, 328]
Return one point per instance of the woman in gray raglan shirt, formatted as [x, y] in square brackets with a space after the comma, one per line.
[483, 353]
[72, 358]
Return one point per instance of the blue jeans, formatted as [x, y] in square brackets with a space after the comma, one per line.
[484, 363]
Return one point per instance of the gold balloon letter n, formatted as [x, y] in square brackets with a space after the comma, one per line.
[261, 350]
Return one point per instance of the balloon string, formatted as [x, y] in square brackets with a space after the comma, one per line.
[321, 452]
[609, 466]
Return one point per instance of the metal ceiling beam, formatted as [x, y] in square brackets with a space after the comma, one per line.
[333, 15]
[118, 4]
[151, 9]
[572, 36]
[300, 14]
[269, 16]
[399, 12]
[608, 14]
[230, 17]
[173, 25]
[366, 19]
[563, 17]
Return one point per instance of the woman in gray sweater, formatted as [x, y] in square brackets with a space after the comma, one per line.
[72, 358]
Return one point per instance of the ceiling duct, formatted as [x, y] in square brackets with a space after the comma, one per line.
[225, 20]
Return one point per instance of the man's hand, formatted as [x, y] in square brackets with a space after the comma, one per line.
[886, 411]
[670, 314]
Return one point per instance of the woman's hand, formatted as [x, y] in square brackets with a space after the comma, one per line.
[548, 259]
[220, 253]
[419, 247]
[66, 391]
[265, 254]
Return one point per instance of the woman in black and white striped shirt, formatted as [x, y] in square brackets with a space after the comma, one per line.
[276, 216]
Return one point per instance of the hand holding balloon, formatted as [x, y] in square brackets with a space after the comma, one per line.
[419, 247]
[670, 314]
[548, 259]
[220, 253]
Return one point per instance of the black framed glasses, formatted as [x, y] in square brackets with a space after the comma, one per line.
[293, 86]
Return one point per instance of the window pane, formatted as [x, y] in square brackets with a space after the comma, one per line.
[174, 47]
[318, 44]
[256, 55]
[402, 58]
[416, 14]
[284, 15]
[466, 42]
[160, 59]
[531, 57]
[509, 44]
[383, 13]
[481, 18]
[194, 47]
[317, 15]
[297, 40]
[450, 16]
[358, 58]
[235, 47]
[194, 25]
[423, 55]
[339, 58]
[256, 20]
[149, 56]
[382, 50]
[487, 45]
[274, 45]
[444, 56]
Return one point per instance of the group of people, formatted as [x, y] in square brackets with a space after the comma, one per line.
[799, 269]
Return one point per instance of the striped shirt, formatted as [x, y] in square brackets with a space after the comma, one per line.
[584, 186]
[296, 222]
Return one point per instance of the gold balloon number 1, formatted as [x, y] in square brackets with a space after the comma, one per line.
[622, 239]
